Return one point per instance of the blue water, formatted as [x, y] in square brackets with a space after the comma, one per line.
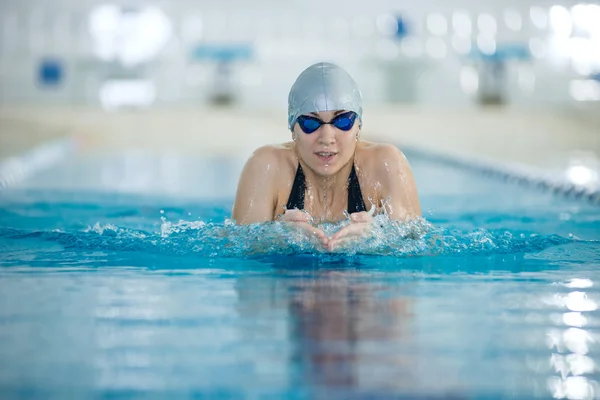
[112, 294]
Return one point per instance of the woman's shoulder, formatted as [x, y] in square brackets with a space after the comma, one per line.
[381, 162]
[272, 157]
[273, 150]
[372, 154]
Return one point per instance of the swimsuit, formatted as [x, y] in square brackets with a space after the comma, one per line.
[355, 198]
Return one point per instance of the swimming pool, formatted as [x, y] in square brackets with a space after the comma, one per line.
[119, 280]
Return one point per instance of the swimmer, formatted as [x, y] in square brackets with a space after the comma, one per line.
[326, 172]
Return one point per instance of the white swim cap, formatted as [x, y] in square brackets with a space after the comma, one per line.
[323, 87]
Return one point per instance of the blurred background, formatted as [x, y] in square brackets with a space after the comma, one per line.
[508, 81]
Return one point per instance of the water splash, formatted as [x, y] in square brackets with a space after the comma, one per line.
[202, 239]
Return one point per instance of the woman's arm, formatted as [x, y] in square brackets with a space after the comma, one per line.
[388, 169]
[255, 197]
[256, 200]
[398, 188]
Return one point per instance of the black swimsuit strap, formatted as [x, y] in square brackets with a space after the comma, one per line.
[296, 199]
[356, 202]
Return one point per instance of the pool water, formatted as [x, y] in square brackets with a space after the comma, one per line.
[113, 291]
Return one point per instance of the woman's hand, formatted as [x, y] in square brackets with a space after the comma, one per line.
[360, 224]
[303, 220]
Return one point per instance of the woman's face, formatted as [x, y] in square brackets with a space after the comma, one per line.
[327, 149]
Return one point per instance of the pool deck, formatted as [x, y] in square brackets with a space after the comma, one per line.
[544, 140]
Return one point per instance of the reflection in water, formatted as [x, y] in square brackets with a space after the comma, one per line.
[572, 346]
[298, 327]
[366, 331]
[574, 319]
[352, 331]
[342, 327]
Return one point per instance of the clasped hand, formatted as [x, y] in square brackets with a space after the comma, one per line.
[359, 225]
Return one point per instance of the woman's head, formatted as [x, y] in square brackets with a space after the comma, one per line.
[325, 116]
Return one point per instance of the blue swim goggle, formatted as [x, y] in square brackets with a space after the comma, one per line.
[344, 122]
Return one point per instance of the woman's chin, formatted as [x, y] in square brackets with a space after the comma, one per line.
[326, 170]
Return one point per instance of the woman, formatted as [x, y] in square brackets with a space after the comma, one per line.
[326, 172]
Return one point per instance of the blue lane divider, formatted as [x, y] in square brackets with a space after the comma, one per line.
[512, 173]
[16, 169]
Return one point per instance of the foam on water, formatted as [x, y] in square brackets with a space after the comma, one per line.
[222, 240]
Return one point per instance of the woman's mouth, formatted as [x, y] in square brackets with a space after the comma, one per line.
[325, 156]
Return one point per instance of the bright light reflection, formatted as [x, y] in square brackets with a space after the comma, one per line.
[104, 20]
[559, 364]
[437, 24]
[461, 22]
[584, 90]
[582, 68]
[580, 364]
[581, 283]
[151, 32]
[127, 93]
[579, 15]
[582, 54]
[487, 44]
[104, 26]
[487, 24]
[130, 37]
[553, 340]
[560, 21]
[581, 175]
[560, 47]
[539, 17]
[578, 301]
[587, 17]
[573, 387]
[593, 16]
[575, 319]
[576, 340]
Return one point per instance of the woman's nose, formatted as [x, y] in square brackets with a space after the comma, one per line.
[327, 134]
